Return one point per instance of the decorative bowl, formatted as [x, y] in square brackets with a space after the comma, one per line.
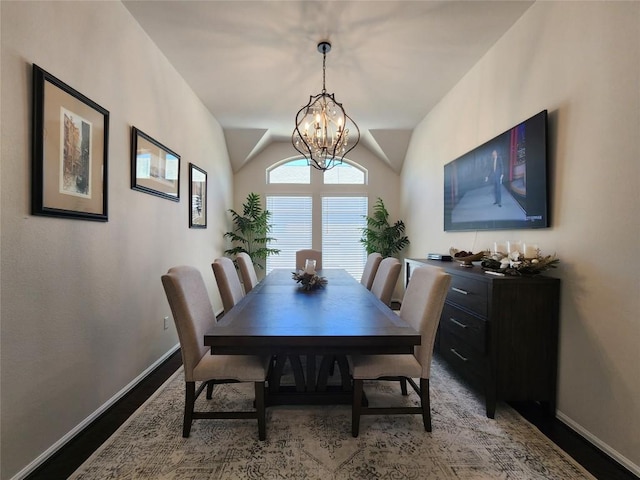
[466, 259]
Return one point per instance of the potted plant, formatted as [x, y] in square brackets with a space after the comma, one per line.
[382, 237]
[251, 230]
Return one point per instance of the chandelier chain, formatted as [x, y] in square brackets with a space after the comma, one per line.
[324, 72]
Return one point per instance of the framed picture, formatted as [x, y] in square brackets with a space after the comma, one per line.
[154, 168]
[70, 139]
[197, 197]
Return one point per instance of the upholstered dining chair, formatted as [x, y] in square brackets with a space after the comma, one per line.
[247, 271]
[370, 269]
[386, 278]
[193, 316]
[309, 253]
[421, 308]
[228, 282]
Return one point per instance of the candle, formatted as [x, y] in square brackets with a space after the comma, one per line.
[310, 267]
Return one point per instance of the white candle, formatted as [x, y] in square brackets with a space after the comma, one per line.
[499, 248]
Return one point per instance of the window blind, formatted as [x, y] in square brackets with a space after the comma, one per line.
[291, 226]
[343, 219]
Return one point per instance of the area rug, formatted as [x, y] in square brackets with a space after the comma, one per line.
[315, 442]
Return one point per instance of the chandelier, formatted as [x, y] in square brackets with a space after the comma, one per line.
[322, 126]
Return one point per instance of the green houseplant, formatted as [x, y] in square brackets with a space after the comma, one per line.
[251, 231]
[382, 237]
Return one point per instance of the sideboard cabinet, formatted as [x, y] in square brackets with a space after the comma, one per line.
[500, 333]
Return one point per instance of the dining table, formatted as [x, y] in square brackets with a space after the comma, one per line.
[312, 330]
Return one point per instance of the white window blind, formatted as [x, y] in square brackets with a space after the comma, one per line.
[291, 226]
[343, 219]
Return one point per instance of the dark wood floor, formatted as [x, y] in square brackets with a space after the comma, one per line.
[71, 456]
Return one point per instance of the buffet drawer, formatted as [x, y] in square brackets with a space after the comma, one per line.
[468, 293]
[470, 363]
[469, 328]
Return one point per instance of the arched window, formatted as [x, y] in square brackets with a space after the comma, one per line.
[298, 172]
[293, 171]
[328, 214]
[345, 174]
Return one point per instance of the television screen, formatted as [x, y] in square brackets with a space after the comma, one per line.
[502, 184]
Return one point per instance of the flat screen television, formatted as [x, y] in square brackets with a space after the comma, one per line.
[502, 184]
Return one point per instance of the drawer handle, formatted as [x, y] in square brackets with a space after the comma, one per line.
[464, 359]
[463, 292]
[460, 324]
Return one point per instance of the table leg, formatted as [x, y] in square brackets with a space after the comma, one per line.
[311, 373]
[298, 373]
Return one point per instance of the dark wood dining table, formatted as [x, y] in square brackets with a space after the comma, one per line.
[280, 319]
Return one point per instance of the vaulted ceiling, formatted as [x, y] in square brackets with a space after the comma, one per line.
[255, 63]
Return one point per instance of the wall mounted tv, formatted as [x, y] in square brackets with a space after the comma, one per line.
[502, 184]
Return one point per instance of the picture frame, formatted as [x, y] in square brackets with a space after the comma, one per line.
[155, 169]
[69, 151]
[197, 197]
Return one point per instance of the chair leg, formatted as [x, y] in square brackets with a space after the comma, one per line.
[210, 386]
[260, 410]
[403, 386]
[426, 403]
[189, 401]
[356, 407]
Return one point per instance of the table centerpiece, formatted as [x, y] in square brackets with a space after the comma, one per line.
[309, 280]
[515, 263]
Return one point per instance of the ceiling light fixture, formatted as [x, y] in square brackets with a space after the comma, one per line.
[322, 131]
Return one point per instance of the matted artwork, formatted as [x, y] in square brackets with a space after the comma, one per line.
[198, 197]
[155, 169]
[70, 136]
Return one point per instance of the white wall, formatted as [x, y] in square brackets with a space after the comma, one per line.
[82, 303]
[581, 62]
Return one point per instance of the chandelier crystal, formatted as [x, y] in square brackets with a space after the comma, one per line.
[323, 127]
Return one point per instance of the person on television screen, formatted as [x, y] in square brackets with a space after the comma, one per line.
[496, 174]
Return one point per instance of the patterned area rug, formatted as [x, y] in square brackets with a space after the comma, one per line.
[315, 442]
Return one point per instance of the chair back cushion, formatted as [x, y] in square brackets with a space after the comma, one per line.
[228, 282]
[422, 306]
[386, 278]
[370, 269]
[192, 313]
[247, 271]
[309, 253]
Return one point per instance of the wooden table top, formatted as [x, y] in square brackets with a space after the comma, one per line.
[341, 318]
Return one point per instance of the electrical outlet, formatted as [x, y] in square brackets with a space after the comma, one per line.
[166, 322]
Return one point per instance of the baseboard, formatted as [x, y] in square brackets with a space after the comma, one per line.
[31, 467]
[588, 436]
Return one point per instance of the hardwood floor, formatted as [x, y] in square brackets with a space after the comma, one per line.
[71, 456]
[593, 459]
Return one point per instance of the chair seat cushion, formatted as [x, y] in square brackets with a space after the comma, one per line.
[244, 368]
[375, 366]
